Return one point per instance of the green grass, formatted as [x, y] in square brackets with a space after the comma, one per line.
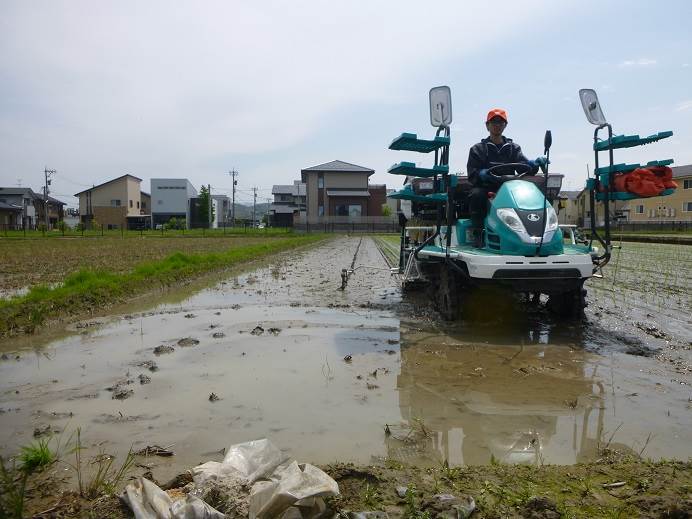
[96, 233]
[87, 289]
[36, 456]
[12, 491]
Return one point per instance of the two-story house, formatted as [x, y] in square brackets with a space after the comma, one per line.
[289, 200]
[170, 198]
[337, 191]
[19, 209]
[116, 204]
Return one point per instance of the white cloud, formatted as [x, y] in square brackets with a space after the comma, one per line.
[641, 62]
[163, 88]
[685, 105]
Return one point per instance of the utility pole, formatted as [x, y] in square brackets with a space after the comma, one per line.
[254, 205]
[269, 201]
[233, 174]
[48, 173]
[209, 206]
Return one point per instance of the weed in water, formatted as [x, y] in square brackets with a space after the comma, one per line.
[105, 479]
[12, 491]
[36, 455]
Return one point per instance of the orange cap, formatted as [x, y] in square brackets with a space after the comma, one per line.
[496, 112]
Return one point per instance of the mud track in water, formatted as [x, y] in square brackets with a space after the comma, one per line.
[356, 375]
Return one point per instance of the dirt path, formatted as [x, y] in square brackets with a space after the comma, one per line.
[319, 370]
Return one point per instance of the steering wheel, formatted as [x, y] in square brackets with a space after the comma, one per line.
[501, 178]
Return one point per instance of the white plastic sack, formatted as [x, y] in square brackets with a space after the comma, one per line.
[148, 501]
[301, 485]
[284, 491]
[250, 460]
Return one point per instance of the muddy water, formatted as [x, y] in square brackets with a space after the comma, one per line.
[321, 371]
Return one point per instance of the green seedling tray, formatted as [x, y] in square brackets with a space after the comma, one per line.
[411, 142]
[619, 195]
[408, 194]
[410, 169]
[616, 168]
[629, 141]
[653, 163]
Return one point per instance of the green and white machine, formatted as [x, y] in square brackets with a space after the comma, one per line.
[524, 249]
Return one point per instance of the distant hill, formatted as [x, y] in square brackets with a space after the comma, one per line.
[245, 211]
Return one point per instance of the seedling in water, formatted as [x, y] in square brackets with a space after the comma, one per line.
[36, 455]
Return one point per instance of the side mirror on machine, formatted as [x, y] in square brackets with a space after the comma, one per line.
[591, 106]
[547, 140]
[440, 106]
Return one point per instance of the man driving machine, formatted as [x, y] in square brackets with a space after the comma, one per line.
[493, 152]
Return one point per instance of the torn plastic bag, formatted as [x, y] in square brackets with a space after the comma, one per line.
[283, 491]
[148, 501]
[250, 460]
[302, 486]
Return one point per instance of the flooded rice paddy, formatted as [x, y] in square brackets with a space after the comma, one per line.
[362, 375]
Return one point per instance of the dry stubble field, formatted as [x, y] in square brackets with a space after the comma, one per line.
[24, 263]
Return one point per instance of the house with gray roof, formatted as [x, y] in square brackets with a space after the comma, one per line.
[289, 200]
[337, 189]
[32, 208]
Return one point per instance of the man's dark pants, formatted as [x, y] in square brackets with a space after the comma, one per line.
[478, 205]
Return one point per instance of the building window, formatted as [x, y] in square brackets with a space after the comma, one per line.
[137, 205]
[320, 210]
[687, 183]
[130, 204]
[687, 207]
[348, 210]
[115, 203]
[639, 209]
[320, 181]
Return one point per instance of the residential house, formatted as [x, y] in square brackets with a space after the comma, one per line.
[289, 200]
[170, 198]
[22, 198]
[10, 216]
[339, 191]
[55, 208]
[32, 207]
[222, 211]
[568, 207]
[116, 204]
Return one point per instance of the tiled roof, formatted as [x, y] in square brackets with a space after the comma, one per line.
[17, 191]
[339, 165]
[570, 195]
[284, 189]
[682, 171]
[10, 207]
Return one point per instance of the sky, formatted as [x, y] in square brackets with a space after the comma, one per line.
[95, 90]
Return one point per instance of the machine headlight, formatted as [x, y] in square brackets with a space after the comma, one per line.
[509, 217]
[551, 216]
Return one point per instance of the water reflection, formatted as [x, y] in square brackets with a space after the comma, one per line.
[468, 396]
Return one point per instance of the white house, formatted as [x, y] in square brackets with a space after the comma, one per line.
[170, 199]
[222, 211]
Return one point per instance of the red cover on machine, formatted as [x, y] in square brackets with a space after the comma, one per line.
[651, 181]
